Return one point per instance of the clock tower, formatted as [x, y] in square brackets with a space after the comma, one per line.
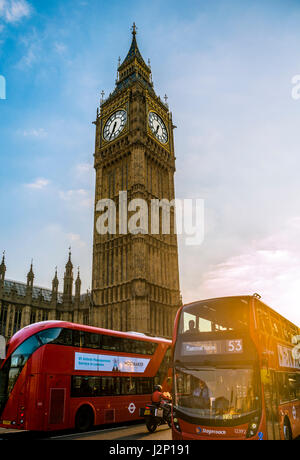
[135, 273]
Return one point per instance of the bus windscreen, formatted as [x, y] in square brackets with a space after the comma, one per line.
[217, 396]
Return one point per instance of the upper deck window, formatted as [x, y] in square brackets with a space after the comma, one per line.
[217, 315]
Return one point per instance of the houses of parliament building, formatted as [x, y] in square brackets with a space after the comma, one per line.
[135, 276]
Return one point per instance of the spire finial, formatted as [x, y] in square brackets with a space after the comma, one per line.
[2, 268]
[134, 29]
[102, 97]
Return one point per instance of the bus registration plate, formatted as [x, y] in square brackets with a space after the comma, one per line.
[147, 412]
[6, 422]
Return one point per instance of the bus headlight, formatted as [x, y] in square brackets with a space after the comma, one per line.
[252, 430]
[176, 423]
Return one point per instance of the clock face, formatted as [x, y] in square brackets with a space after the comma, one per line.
[158, 128]
[115, 125]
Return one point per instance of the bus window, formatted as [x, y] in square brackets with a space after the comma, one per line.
[92, 341]
[215, 316]
[49, 335]
[14, 365]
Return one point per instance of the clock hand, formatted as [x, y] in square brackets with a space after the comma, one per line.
[156, 132]
[113, 129]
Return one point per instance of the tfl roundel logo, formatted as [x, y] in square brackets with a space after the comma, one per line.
[198, 430]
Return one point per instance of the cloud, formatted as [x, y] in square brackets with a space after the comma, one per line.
[75, 238]
[84, 169]
[37, 133]
[270, 267]
[13, 11]
[78, 197]
[38, 184]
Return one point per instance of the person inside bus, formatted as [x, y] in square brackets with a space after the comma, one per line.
[192, 328]
[202, 395]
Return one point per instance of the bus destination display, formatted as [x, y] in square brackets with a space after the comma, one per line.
[216, 347]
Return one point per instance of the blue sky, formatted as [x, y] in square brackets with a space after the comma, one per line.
[227, 68]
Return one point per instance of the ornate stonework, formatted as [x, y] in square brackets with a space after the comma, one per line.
[22, 304]
[135, 276]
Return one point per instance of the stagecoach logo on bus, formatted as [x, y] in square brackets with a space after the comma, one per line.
[209, 432]
[106, 363]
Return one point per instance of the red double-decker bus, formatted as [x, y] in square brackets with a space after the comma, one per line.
[59, 375]
[236, 372]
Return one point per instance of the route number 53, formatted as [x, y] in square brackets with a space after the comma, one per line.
[235, 346]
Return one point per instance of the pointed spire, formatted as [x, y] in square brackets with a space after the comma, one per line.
[134, 53]
[2, 268]
[55, 281]
[30, 279]
[55, 284]
[68, 281]
[78, 285]
[30, 275]
[69, 266]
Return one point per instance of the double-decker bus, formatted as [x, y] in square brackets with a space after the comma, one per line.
[59, 375]
[236, 372]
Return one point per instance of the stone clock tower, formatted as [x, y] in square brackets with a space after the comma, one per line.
[135, 274]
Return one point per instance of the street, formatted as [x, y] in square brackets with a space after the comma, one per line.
[137, 432]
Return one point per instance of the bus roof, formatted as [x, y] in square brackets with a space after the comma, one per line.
[242, 297]
[32, 329]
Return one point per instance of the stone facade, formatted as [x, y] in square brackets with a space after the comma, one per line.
[22, 304]
[135, 276]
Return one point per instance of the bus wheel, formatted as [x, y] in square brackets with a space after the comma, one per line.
[151, 425]
[287, 431]
[84, 419]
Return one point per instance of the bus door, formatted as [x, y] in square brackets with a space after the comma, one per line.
[58, 389]
[271, 405]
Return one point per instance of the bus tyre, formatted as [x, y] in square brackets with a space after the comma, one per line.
[151, 425]
[84, 419]
[287, 431]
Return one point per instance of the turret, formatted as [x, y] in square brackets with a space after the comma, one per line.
[55, 284]
[30, 279]
[2, 272]
[68, 282]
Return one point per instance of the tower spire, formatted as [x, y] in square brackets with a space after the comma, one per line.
[134, 29]
[68, 281]
[134, 63]
[2, 268]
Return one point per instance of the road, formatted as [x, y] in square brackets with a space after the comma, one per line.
[126, 433]
[136, 432]
[133, 432]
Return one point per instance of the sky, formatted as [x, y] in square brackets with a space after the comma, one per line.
[227, 68]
